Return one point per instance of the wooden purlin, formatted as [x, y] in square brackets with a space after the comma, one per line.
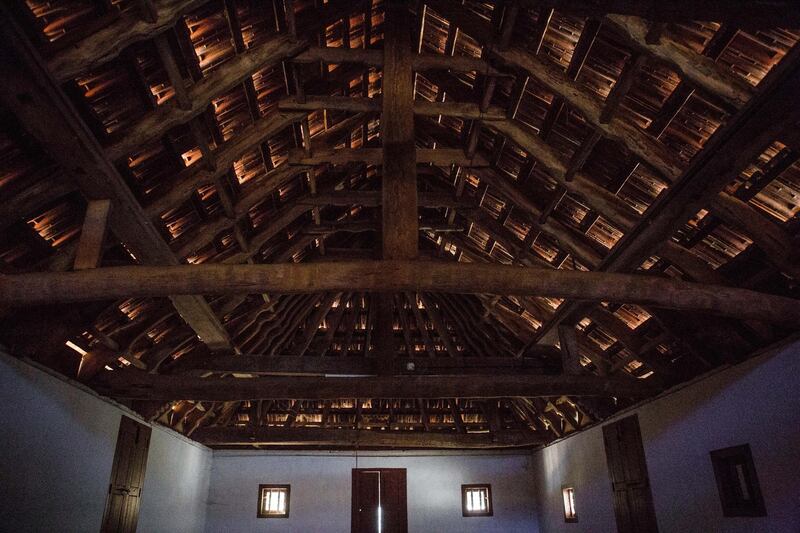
[52, 120]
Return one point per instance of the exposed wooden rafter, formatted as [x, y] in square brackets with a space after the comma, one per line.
[33, 94]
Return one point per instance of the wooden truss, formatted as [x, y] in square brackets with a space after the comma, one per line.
[399, 239]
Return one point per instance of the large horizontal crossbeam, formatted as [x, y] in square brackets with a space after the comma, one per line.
[275, 436]
[320, 366]
[395, 276]
[143, 386]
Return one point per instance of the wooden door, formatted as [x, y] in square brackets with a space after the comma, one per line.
[633, 501]
[379, 501]
[127, 477]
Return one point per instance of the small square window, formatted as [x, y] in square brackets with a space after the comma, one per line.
[737, 482]
[568, 496]
[273, 501]
[476, 500]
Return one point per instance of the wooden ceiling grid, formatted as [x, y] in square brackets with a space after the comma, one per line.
[540, 134]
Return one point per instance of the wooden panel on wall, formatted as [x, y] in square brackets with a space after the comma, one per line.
[633, 501]
[127, 477]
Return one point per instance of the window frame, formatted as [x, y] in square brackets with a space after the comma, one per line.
[262, 487]
[722, 460]
[567, 518]
[476, 486]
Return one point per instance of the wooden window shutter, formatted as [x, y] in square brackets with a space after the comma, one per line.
[633, 501]
[127, 477]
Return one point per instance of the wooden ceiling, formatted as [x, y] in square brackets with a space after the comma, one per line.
[434, 224]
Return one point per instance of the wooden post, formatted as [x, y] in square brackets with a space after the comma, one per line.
[400, 239]
[95, 226]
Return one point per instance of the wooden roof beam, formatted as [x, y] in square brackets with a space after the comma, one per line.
[467, 110]
[142, 385]
[779, 245]
[156, 123]
[233, 436]
[573, 241]
[106, 44]
[373, 199]
[746, 13]
[394, 276]
[598, 198]
[375, 156]
[399, 180]
[93, 234]
[374, 58]
[206, 233]
[619, 129]
[248, 140]
[733, 147]
[318, 366]
[700, 70]
[43, 108]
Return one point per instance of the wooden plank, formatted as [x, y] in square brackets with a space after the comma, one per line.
[395, 276]
[46, 113]
[627, 467]
[582, 154]
[95, 225]
[142, 385]
[230, 436]
[399, 180]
